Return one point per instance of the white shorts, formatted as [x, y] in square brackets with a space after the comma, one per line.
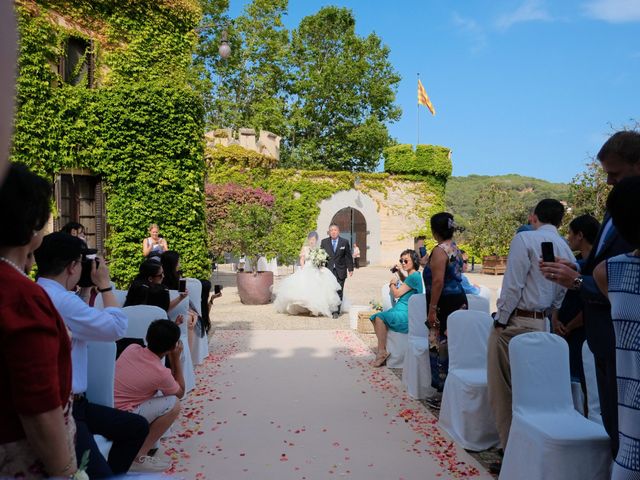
[155, 407]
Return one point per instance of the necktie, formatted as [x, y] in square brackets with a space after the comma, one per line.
[334, 243]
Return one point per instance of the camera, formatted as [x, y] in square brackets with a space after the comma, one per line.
[88, 256]
[394, 269]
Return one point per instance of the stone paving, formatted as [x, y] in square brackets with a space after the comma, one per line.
[228, 313]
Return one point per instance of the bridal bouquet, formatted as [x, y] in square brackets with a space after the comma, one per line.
[318, 257]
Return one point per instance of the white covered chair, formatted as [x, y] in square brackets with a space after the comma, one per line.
[397, 345]
[187, 364]
[548, 439]
[593, 399]
[201, 344]
[121, 296]
[386, 300]
[101, 371]
[416, 370]
[465, 413]
[140, 317]
[478, 303]
[485, 292]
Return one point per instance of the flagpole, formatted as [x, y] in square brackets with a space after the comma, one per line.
[418, 142]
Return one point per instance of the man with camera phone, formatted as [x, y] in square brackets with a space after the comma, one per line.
[62, 265]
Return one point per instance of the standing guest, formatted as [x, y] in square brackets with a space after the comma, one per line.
[524, 303]
[619, 158]
[356, 255]
[619, 278]
[421, 250]
[340, 261]
[154, 243]
[568, 321]
[37, 429]
[59, 261]
[397, 318]
[443, 283]
[140, 375]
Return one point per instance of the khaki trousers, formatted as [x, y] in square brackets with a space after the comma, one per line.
[499, 370]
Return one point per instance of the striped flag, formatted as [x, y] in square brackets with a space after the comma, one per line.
[423, 98]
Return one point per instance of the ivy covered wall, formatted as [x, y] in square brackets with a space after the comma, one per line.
[140, 129]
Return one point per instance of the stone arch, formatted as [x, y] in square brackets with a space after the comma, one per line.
[365, 205]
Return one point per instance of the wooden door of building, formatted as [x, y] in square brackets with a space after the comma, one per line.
[353, 227]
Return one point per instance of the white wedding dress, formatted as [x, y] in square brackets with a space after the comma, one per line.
[309, 291]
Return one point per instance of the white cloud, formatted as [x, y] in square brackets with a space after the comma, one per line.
[529, 11]
[472, 29]
[614, 11]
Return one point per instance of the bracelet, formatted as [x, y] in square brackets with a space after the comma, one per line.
[104, 290]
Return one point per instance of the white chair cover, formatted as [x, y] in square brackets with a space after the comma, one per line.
[187, 364]
[121, 296]
[140, 317]
[416, 370]
[397, 345]
[485, 292]
[101, 371]
[548, 439]
[263, 265]
[593, 399]
[386, 299]
[465, 413]
[201, 344]
[478, 303]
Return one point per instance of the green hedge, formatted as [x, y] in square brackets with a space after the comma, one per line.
[141, 131]
[424, 160]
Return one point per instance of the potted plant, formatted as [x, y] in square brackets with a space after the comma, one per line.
[240, 221]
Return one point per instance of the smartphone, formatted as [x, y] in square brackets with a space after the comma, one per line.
[547, 252]
[182, 286]
[217, 289]
[423, 251]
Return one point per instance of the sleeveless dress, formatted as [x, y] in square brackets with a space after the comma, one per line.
[623, 273]
[309, 291]
[397, 318]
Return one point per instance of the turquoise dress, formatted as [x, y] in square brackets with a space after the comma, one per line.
[397, 318]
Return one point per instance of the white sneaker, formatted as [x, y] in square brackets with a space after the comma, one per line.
[149, 464]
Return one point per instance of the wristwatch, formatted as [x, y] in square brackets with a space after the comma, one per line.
[497, 324]
[577, 283]
[104, 290]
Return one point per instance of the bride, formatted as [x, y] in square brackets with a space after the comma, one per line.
[311, 290]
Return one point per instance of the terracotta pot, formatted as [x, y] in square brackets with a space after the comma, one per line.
[254, 288]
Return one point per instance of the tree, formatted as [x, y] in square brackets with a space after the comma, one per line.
[249, 88]
[499, 213]
[343, 91]
[590, 191]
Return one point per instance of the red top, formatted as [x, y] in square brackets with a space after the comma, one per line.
[35, 353]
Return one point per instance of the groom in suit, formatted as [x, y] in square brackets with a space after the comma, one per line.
[340, 261]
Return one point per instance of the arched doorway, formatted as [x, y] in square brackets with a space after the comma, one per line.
[353, 227]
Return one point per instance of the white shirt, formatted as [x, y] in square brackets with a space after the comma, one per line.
[86, 324]
[524, 286]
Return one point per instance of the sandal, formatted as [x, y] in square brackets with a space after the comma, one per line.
[380, 360]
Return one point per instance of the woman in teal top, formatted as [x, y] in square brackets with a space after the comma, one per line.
[397, 318]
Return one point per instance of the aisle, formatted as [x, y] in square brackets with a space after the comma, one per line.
[305, 405]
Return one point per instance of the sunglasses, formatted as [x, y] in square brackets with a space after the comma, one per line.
[404, 261]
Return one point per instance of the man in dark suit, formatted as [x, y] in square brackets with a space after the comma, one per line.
[620, 158]
[340, 261]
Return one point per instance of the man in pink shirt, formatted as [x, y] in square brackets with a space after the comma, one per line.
[143, 385]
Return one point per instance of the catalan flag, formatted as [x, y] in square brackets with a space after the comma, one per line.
[423, 98]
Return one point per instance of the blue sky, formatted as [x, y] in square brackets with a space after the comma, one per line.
[532, 87]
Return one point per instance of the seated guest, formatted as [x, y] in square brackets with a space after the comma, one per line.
[618, 278]
[140, 375]
[443, 283]
[154, 243]
[36, 427]
[568, 321]
[468, 287]
[397, 318]
[59, 261]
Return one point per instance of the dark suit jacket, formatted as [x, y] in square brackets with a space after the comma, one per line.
[597, 309]
[342, 260]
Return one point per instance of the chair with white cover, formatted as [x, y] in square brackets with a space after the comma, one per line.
[397, 346]
[201, 343]
[593, 399]
[549, 439]
[416, 370]
[185, 358]
[386, 300]
[101, 371]
[121, 296]
[465, 413]
[140, 317]
[478, 303]
[485, 292]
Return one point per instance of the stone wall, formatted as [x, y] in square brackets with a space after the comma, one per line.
[267, 143]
